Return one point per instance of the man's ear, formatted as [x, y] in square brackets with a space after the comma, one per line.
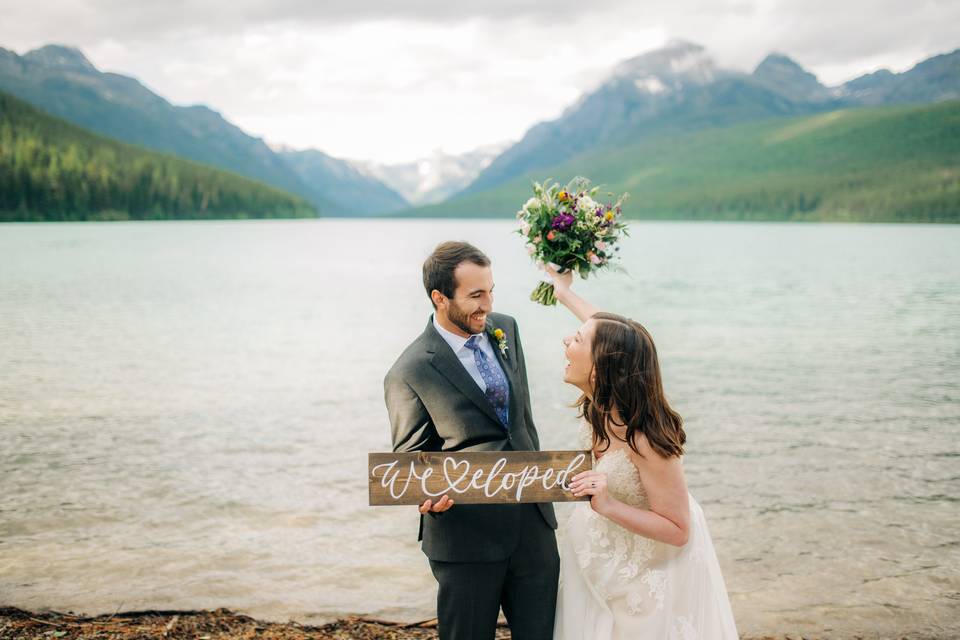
[438, 298]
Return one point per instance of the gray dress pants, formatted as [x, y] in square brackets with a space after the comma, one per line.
[525, 585]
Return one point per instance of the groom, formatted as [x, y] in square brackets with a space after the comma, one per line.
[462, 386]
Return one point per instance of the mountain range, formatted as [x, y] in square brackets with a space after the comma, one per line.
[680, 88]
[674, 92]
[61, 81]
[433, 178]
[866, 164]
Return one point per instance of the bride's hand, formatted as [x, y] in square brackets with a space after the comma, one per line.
[561, 281]
[593, 484]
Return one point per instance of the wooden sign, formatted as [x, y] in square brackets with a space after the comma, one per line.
[475, 477]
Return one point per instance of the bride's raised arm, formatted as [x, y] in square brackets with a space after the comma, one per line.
[565, 295]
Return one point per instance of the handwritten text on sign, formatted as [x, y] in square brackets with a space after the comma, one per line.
[475, 477]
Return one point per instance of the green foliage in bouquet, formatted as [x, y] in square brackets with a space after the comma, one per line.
[568, 227]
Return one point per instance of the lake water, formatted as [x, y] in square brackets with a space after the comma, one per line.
[186, 409]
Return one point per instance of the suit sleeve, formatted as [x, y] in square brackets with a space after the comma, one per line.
[410, 424]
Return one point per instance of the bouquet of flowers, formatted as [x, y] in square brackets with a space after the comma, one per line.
[565, 226]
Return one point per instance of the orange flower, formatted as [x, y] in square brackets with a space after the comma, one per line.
[551, 235]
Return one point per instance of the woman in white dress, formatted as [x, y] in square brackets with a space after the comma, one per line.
[637, 561]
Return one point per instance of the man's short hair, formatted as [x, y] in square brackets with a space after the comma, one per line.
[439, 266]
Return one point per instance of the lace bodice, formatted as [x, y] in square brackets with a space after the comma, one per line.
[623, 479]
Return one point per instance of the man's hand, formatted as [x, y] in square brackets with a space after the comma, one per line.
[443, 504]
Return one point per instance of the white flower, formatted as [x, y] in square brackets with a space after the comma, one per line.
[524, 227]
[532, 202]
[587, 205]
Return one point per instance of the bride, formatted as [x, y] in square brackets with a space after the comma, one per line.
[637, 561]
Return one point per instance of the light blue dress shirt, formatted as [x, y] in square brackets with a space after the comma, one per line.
[465, 355]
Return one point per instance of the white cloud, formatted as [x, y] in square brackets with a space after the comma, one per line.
[394, 81]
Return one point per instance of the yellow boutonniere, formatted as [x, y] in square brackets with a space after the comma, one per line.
[501, 338]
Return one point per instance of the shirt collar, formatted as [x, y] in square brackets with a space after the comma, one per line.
[456, 342]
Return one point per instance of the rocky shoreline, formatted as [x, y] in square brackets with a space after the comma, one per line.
[223, 624]
[220, 624]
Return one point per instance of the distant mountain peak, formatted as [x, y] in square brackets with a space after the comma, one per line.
[869, 81]
[783, 74]
[55, 55]
[779, 61]
[435, 177]
[678, 59]
[934, 79]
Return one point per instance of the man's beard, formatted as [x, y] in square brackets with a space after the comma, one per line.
[456, 315]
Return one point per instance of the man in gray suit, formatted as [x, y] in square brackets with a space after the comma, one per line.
[462, 386]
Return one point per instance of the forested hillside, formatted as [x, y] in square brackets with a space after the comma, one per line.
[53, 170]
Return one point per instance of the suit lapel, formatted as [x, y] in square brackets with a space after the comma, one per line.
[446, 362]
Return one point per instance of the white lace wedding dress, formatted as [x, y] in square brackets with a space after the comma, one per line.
[616, 585]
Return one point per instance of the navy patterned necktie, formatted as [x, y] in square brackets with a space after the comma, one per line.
[498, 391]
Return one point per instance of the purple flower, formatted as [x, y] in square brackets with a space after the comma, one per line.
[562, 221]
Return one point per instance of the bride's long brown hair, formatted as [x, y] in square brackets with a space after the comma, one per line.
[627, 378]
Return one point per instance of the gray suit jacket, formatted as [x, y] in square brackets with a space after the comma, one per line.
[434, 405]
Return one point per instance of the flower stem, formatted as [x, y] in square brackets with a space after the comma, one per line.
[544, 294]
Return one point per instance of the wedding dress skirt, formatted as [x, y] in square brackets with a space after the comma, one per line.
[617, 585]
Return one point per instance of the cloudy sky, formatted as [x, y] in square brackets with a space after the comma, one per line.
[394, 80]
